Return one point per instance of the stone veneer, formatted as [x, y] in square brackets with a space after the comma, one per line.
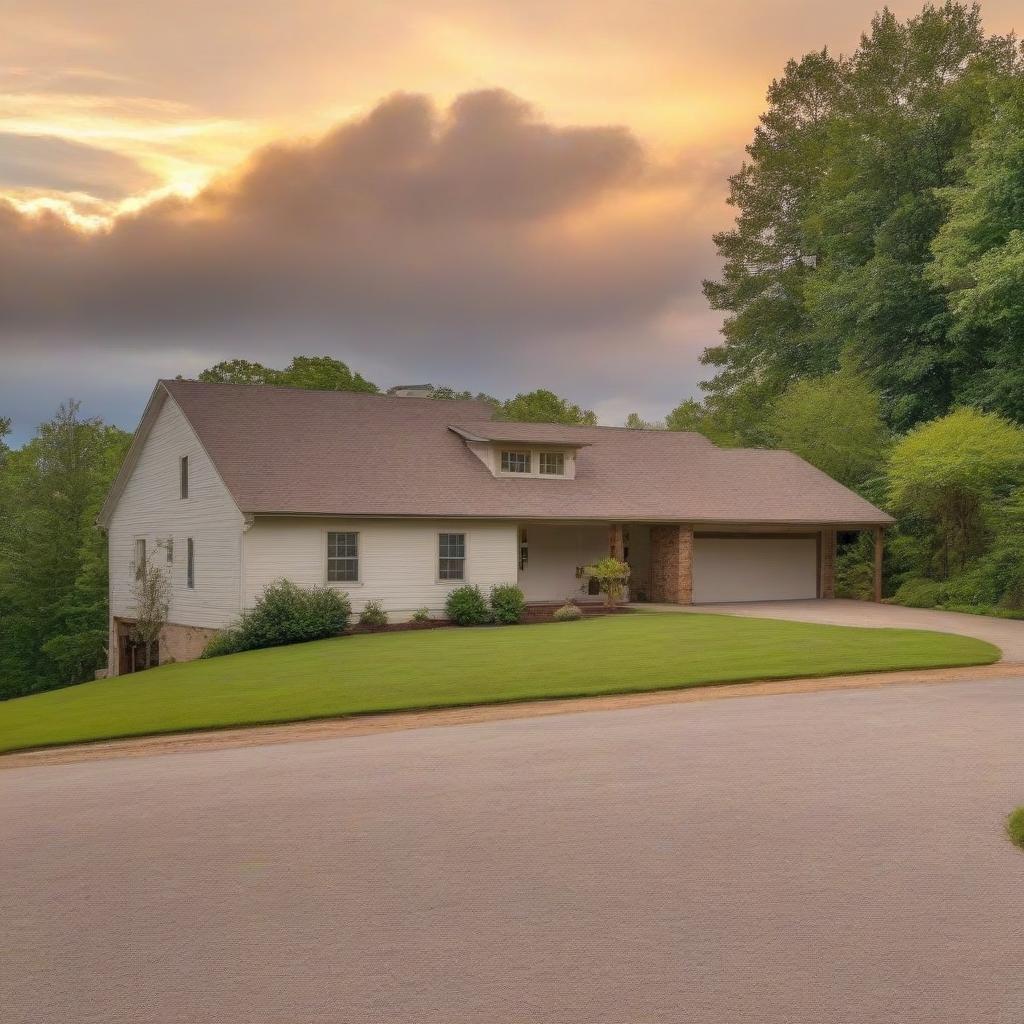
[672, 564]
[827, 587]
[183, 643]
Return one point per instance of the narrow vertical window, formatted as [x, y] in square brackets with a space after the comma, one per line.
[140, 557]
[170, 550]
[343, 557]
[190, 564]
[183, 475]
[451, 550]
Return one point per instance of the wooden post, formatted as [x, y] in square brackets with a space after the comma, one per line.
[615, 547]
[878, 564]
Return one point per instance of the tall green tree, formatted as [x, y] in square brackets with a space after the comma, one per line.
[53, 578]
[835, 423]
[320, 373]
[979, 261]
[838, 206]
[542, 406]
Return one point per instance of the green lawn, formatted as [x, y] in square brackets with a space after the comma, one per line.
[446, 667]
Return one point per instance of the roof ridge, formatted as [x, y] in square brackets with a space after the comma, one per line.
[320, 391]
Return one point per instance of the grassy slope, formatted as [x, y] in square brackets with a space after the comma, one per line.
[436, 668]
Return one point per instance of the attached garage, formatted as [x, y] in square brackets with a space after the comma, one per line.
[754, 567]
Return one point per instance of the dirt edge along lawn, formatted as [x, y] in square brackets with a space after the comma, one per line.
[458, 667]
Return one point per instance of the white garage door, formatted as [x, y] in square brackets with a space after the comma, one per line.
[754, 569]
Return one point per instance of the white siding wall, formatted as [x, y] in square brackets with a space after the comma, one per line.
[151, 507]
[555, 552]
[397, 558]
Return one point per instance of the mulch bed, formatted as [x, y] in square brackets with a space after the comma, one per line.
[533, 615]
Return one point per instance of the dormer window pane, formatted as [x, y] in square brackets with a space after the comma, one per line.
[515, 462]
[552, 463]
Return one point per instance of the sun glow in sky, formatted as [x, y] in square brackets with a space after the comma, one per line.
[125, 123]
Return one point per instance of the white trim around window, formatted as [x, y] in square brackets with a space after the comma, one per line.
[445, 556]
[343, 558]
[515, 461]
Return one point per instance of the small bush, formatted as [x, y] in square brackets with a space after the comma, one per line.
[918, 593]
[373, 615]
[611, 576]
[421, 615]
[227, 641]
[466, 607]
[507, 604]
[284, 614]
[1015, 827]
[569, 612]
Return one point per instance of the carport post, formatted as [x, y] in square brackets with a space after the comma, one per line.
[878, 564]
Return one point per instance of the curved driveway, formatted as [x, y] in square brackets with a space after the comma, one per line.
[824, 858]
[1006, 634]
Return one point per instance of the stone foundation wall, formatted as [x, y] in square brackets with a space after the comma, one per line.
[672, 564]
[183, 643]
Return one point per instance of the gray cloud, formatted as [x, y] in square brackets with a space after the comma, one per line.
[55, 164]
[479, 245]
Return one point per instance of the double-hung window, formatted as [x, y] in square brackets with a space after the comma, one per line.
[342, 557]
[451, 561]
[552, 464]
[515, 462]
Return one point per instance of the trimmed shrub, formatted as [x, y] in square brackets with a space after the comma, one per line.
[918, 593]
[284, 614]
[569, 612]
[466, 607]
[611, 576]
[373, 615]
[507, 604]
[421, 615]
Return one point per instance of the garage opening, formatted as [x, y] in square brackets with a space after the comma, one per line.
[754, 567]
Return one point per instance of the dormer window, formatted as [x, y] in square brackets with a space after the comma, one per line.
[515, 462]
[552, 463]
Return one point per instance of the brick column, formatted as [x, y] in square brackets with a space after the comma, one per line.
[828, 563]
[615, 546]
[672, 564]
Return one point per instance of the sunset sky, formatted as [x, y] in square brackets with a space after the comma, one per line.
[495, 196]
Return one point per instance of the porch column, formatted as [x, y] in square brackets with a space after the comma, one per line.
[672, 564]
[877, 595]
[615, 545]
[828, 563]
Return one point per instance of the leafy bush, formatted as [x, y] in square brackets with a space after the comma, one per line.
[918, 593]
[421, 615]
[611, 577]
[507, 604]
[373, 615]
[569, 612]
[466, 607]
[284, 614]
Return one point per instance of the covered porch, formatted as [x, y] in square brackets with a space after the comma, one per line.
[681, 563]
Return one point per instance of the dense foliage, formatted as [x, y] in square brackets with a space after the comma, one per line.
[53, 561]
[320, 373]
[284, 614]
[611, 576]
[879, 212]
[507, 604]
[466, 606]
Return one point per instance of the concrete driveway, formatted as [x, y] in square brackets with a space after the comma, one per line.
[1006, 634]
[808, 859]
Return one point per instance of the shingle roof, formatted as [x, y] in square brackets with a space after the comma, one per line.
[287, 450]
